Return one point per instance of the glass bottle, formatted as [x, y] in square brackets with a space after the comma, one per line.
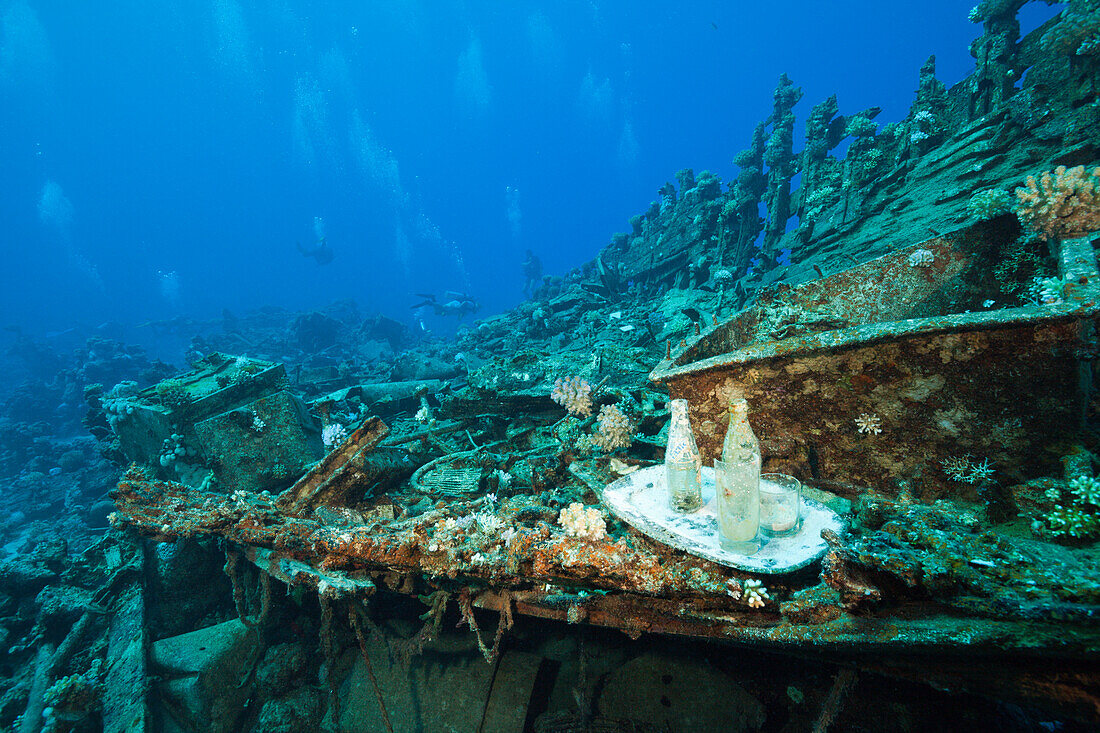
[683, 462]
[737, 483]
[740, 444]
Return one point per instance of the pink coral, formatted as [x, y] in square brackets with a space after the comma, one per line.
[614, 429]
[1061, 203]
[574, 394]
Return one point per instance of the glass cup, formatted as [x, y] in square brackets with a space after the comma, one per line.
[737, 497]
[780, 505]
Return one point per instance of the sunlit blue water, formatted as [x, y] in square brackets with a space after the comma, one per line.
[163, 159]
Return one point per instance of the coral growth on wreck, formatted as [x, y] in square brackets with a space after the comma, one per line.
[583, 522]
[966, 470]
[333, 434]
[1075, 514]
[989, 204]
[1061, 204]
[614, 429]
[574, 394]
[1078, 32]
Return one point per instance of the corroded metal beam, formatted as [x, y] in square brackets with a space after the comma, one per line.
[337, 472]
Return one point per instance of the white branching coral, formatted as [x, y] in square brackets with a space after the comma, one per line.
[868, 424]
[333, 434]
[488, 523]
[968, 471]
[922, 258]
[584, 522]
[574, 394]
[1062, 203]
[755, 593]
[1086, 489]
[483, 529]
[614, 429]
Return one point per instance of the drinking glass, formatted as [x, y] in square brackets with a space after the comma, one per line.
[780, 504]
[737, 493]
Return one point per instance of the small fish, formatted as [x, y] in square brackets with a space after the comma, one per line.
[693, 315]
[818, 271]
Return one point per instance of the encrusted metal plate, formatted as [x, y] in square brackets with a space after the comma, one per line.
[641, 500]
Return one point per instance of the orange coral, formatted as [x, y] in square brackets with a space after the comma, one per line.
[1061, 204]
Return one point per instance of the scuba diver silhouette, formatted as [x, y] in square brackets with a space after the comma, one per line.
[532, 271]
[459, 304]
[322, 253]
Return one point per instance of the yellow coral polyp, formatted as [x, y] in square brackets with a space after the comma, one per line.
[1062, 203]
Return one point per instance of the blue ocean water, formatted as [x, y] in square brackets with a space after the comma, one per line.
[163, 159]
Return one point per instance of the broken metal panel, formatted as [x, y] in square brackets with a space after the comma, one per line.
[125, 708]
[217, 384]
[387, 397]
[1002, 385]
[926, 585]
[333, 584]
[344, 471]
[639, 585]
[526, 555]
[142, 431]
[262, 445]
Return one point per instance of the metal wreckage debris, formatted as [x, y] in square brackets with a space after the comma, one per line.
[894, 383]
[917, 582]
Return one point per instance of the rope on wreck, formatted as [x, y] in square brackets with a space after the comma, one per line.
[232, 570]
[253, 625]
[353, 618]
[466, 606]
[842, 685]
[328, 649]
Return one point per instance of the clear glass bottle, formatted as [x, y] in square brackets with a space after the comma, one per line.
[737, 483]
[683, 462]
[740, 444]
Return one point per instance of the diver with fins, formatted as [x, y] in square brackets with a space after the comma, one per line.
[457, 304]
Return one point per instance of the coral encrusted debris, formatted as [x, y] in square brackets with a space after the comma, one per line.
[1075, 514]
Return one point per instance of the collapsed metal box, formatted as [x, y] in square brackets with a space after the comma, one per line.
[899, 370]
[230, 416]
